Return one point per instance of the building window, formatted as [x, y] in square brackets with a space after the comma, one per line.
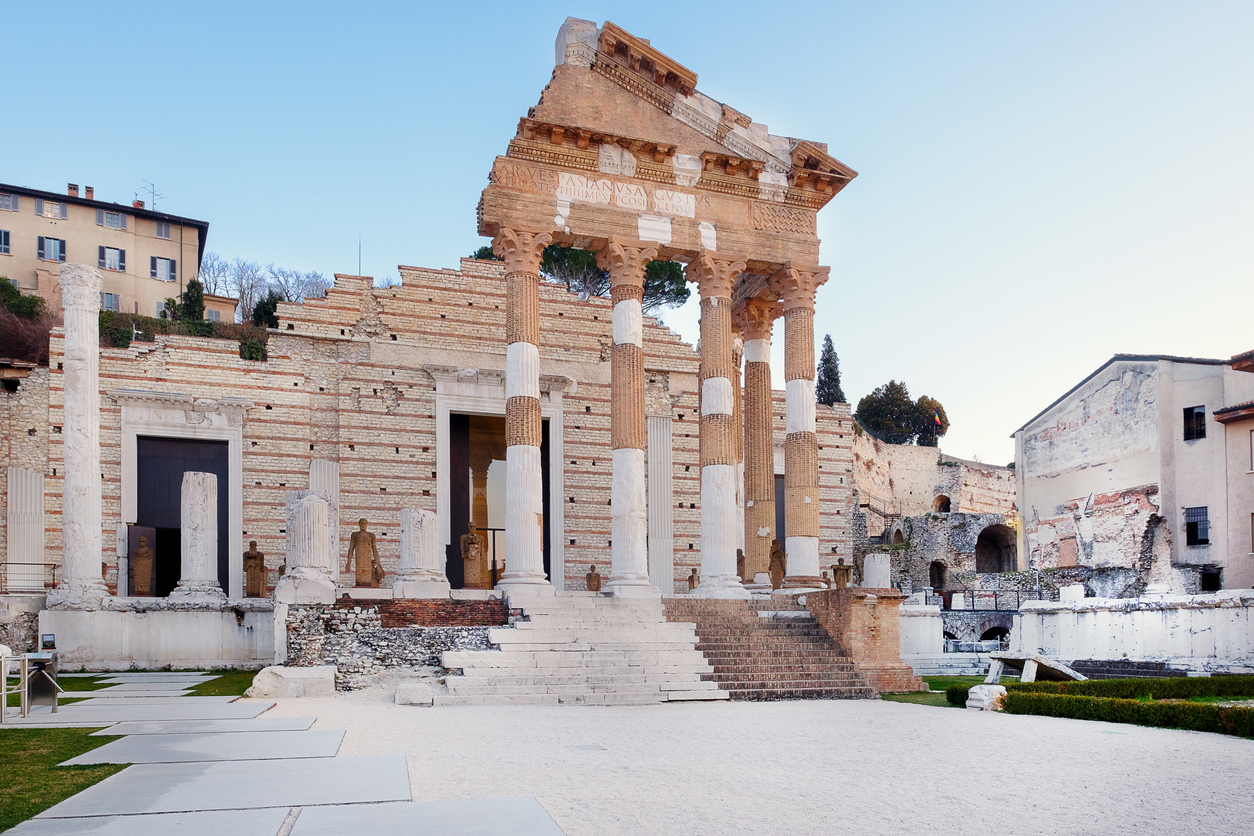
[4, 242]
[164, 269]
[48, 209]
[51, 249]
[213, 316]
[163, 230]
[112, 259]
[1196, 526]
[110, 302]
[1212, 579]
[1194, 422]
[9, 202]
[113, 220]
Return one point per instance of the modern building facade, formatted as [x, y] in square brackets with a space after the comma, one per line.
[144, 256]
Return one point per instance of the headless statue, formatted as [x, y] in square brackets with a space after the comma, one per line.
[842, 574]
[594, 580]
[254, 572]
[141, 569]
[740, 564]
[361, 548]
[693, 580]
[472, 557]
[779, 565]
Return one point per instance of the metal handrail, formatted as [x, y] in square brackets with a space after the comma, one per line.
[1002, 600]
[49, 580]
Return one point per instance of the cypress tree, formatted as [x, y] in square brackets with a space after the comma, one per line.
[827, 390]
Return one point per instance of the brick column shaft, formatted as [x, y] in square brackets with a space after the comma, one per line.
[629, 534]
[524, 506]
[714, 275]
[759, 438]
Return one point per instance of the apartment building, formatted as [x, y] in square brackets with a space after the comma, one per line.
[145, 257]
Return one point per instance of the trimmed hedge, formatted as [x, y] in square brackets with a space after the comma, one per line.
[1165, 715]
[1172, 688]
[957, 694]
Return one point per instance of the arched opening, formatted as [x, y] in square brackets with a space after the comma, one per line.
[941, 504]
[936, 574]
[995, 550]
[1000, 634]
[898, 537]
[950, 636]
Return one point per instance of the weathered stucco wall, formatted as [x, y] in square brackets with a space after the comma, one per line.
[1239, 439]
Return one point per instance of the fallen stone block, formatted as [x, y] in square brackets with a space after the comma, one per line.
[414, 693]
[986, 697]
[278, 681]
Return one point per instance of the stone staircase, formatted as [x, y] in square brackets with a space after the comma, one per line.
[769, 650]
[585, 648]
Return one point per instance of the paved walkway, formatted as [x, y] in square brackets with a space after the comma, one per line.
[213, 765]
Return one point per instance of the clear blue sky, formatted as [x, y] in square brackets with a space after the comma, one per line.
[1041, 185]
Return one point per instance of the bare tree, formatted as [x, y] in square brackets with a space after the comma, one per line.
[215, 273]
[294, 285]
[246, 281]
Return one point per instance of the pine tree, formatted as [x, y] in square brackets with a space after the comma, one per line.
[828, 390]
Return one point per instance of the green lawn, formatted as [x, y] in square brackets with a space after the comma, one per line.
[230, 683]
[67, 683]
[938, 684]
[32, 782]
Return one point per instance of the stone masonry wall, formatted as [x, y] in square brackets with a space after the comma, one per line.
[23, 436]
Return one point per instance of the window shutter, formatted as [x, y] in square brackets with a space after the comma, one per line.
[14, 202]
[122, 260]
[152, 266]
[61, 252]
[103, 305]
[124, 223]
[174, 276]
[41, 246]
[99, 217]
[65, 211]
[39, 206]
[102, 258]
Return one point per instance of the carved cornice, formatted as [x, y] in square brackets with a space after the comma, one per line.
[521, 251]
[714, 273]
[642, 59]
[796, 284]
[583, 138]
[732, 166]
[625, 261]
[816, 170]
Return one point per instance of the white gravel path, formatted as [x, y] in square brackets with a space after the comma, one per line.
[819, 767]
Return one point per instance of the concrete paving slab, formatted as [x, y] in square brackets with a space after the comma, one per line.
[118, 678]
[120, 700]
[260, 724]
[139, 687]
[195, 748]
[236, 822]
[108, 692]
[124, 710]
[189, 787]
[476, 817]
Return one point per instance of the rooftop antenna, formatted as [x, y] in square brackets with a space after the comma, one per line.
[153, 194]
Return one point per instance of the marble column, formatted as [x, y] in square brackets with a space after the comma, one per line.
[310, 550]
[738, 436]
[198, 579]
[759, 314]
[625, 261]
[796, 286]
[714, 274]
[524, 505]
[79, 585]
[421, 573]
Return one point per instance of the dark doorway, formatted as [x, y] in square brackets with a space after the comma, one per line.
[940, 504]
[160, 465]
[998, 634]
[936, 574]
[1211, 578]
[995, 550]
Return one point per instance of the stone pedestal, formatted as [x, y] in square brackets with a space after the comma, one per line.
[877, 571]
[80, 585]
[309, 553]
[421, 572]
[198, 581]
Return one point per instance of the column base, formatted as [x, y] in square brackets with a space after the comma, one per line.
[631, 586]
[720, 586]
[207, 594]
[86, 596]
[297, 589]
[803, 583]
[420, 588]
[761, 583]
[525, 585]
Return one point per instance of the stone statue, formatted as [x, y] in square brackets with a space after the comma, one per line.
[693, 580]
[141, 568]
[254, 572]
[841, 574]
[740, 564]
[594, 579]
[472, 557]
[362, 548]
[779, 565]
[827, 579]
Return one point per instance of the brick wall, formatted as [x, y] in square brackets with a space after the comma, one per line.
[435, 612]
[865, 622]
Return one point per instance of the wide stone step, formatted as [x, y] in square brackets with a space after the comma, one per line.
[757, 680]
[769, 694]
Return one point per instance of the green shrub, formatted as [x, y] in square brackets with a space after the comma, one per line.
[15, 302]
[115, 330]
[253, 349]
[1171, 688]
[957, 694]
[1167, 715]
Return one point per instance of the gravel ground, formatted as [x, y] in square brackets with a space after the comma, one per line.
[840, 766]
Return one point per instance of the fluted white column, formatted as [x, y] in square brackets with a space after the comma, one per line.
[198, 580]
[80, 585]
[422, 569]
[25, 530]
[309, 558]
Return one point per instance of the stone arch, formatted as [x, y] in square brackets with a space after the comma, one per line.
[896, 533]
[997, 633]
[995, 549]
[936, 574]
[898, 537]
[941, 504]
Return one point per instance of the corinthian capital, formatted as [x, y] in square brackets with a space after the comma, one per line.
[757, 316]
[521, 251]
[625, 261]
[714, 273]
[796, 284]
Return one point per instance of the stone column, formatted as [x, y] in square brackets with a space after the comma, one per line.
[713, 275]
[421, 572]
[738, 436]
[311, 550]
[198, 580]
[796, 286]
[80, 585]
[759, 314]
[629, 534]
[524, 506]
[25, 530]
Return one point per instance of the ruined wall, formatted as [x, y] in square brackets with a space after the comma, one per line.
[23, 436]
[948, 539]
[348, 379]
